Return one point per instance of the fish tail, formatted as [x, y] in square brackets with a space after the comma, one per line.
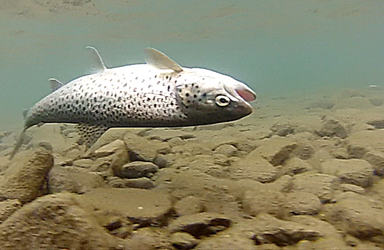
[18, 144]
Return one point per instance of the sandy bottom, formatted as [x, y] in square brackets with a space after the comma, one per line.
[302, 172]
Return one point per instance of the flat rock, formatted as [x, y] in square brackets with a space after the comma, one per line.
[225, 242]
[322, 104]
[109, 149]
[370, 140]
[73, 179]
[110, 136]
[301, 203]
[51, 134]
[215, 193]
[200, 224]
[304, 149]
[149, 238]
[140, 206]
[282, 129]
[352, 188]
[332, 127]
[54, 222]
[295, 166]
[376, 159]
[357, 102]
[357, 215]
[264, 200]
[25, 178]
[331, 237]
[7, 208]
[136, 169]
[142, 149]
[268, 229]
[110, 156]
[143, 182]
[254, 167]
[168, 134]
[352, 171]
[188, 205]
[321, 185]
[275, 150]
[84, 163]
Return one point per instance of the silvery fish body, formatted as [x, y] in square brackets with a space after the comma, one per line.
[160, 93]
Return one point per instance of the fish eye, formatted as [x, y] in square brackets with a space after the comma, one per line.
[222, 100]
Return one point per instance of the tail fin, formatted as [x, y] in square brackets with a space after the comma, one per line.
[18, 144]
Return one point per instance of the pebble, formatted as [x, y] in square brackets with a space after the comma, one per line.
[200, 224]
[181, 240]
[136, 169]
[226, 149]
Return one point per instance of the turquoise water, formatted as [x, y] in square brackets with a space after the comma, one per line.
[276, 47]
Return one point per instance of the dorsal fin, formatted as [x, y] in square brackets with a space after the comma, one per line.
[25, 113]
[99, 63]
[55, 84]
[160, 60]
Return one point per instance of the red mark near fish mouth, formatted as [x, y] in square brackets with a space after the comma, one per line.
[246, 95]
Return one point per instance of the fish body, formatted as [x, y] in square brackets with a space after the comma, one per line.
[160, 93]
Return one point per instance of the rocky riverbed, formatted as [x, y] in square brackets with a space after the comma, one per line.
[300, 173]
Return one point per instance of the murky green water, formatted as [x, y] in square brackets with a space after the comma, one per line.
[275, 46]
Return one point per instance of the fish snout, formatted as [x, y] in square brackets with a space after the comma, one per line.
[243, 108]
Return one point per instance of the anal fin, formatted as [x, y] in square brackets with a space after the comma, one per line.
[89, 134]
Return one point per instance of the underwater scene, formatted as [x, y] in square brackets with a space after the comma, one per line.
[200, 124]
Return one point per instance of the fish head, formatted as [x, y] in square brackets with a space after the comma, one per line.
[208, 97]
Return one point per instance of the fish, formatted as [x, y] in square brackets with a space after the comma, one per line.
[158, 93]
